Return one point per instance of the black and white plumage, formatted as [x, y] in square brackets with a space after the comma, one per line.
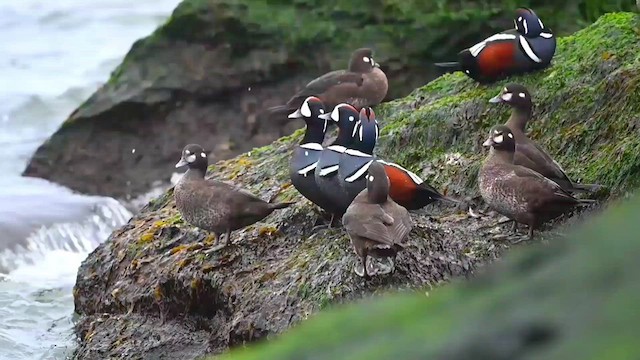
[529, 46]
[355, 161]
[326, 172]
[517, 192]
[215, 205]
[377, 226]
[306, 155]
[529, 153]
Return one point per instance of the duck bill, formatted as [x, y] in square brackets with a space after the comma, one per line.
[488, 143]
[496, 99]
[181, 163]
[295, 115]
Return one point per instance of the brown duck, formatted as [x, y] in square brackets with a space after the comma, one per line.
[362, 84]
[376, 225]
[528, 152]
[214, 205]
[517, 192]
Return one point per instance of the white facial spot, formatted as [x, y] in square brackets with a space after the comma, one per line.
[335, 114]
[467, 71]
[498, 139]
[366, 59]
[203, 155]
[370, 177]
[522, 95]
[505, 90]
[507, 96]
[351, 118]
[305, 110]
[510, 135]
[133, 151]
[191, 158]
[306, 153]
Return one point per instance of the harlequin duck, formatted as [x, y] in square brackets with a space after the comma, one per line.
[407, 189]
[529, 153]
[517, 192]
[306, 155]
[326, 170]
[376, 225]
[355, 161]
[528, 47]
[214, 205]
[362, 84]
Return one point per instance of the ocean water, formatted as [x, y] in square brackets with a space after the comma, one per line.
[53, 55]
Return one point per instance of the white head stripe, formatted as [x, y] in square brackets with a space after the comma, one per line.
[305, 110]
[360, 133]
[526, 28]
[355, 128]
[540, 22]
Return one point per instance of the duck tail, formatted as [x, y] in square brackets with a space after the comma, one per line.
[282, 205]
[583, 188]
[279, 112]
[451, 66]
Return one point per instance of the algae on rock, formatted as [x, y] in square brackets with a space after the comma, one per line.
[154, 274]
[574, 298]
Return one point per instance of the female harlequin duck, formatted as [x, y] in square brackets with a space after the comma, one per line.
[362, 84]
[528, 47]
[214, 205]
[306, 155]
[529, 153]
[407, 189]
[326, 171]
[517, 192]
[376, 225]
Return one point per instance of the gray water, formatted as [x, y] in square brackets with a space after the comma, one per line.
[53, 55]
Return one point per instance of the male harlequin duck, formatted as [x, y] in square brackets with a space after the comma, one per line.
[407, 189]
[529, 153]
[214, 205]
[517, 192]
[306, 155]
[376, 225]
[355, 161]
[528, 47]
[326, 171]
[362, 84]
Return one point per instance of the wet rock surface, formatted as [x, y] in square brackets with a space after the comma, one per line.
[155, 278]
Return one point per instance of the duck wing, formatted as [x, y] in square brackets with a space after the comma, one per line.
[343, 79]
[370, 221]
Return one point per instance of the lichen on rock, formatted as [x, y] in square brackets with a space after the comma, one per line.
[155, 272]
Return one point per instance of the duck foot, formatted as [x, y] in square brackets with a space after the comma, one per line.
[375, 267]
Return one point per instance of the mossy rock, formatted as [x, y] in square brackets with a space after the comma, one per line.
[153, 286]
[208, 73]
[574, 298]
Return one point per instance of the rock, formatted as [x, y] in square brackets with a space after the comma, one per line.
[207, 72]
[156, 269]
[574, 298]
